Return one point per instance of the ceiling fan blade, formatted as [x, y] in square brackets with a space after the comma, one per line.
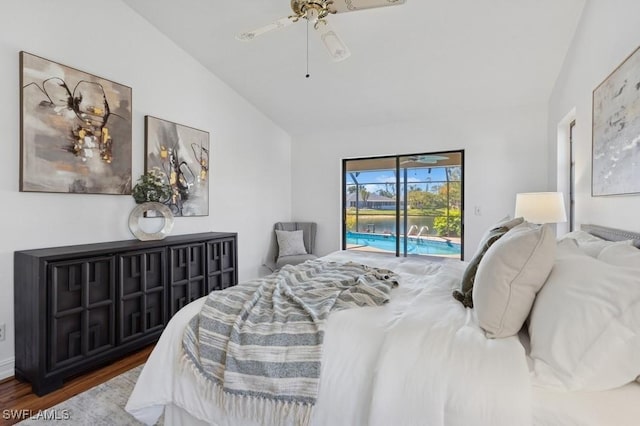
[424, 159]
[337, 49]
[341, 6]
[280, 23]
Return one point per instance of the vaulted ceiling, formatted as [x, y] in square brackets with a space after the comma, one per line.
[407, 61]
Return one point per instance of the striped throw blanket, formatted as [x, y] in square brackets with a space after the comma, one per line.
[256, 347]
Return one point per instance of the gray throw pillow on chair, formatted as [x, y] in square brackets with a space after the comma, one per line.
[290, 243]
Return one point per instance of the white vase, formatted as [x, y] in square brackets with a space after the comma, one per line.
[139, 212]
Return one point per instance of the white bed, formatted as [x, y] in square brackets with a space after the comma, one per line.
[421, 359]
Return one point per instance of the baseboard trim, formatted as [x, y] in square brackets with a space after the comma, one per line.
[7, 368]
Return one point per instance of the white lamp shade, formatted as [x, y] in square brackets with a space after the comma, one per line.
[541, 207]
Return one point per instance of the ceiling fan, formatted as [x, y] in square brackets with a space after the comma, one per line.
[316, 13]
[424, 159]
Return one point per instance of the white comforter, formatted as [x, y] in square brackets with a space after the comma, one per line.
[419, 360]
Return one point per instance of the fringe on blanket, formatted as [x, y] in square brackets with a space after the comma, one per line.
[261, 410]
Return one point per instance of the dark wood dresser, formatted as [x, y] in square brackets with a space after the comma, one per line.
[80, 307]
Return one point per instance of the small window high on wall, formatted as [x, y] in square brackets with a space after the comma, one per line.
[404, 204]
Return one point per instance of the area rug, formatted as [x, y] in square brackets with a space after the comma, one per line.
[102, 405]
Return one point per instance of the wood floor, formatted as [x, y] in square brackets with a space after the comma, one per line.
[16, 396]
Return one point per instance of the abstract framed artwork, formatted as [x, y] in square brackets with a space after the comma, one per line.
[615, 164]
[181, 154]
[75, 130]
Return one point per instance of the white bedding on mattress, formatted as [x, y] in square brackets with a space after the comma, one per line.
[420, 359]
[381, 367]
[616, 407]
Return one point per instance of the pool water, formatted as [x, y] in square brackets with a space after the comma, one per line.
[414, 245]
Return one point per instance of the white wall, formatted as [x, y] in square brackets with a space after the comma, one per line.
[505, 153]
[608, 32]
[250, 156]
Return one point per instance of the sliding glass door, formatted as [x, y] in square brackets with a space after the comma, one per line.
[404, 204]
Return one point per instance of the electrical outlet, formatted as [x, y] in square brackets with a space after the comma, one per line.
[3, 329]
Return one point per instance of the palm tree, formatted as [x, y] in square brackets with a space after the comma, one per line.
[364, 195]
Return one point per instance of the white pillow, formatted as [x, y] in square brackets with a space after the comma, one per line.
[585, 324]
[290, 243]
[621, 255]
[580, 236]
[593, 248]
[567, 242]
[509, 276]
[591, 244]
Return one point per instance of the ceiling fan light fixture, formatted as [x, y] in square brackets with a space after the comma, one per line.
[337, 49]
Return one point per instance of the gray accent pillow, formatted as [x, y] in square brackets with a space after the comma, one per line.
[465, 294]
[290, 243]
[506, 222]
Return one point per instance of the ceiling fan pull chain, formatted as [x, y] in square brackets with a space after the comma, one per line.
[307, 76]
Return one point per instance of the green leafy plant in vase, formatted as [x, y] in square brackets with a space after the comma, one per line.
[150, 193]
[152, 187]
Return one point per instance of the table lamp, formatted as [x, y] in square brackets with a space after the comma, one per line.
[541, 207]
